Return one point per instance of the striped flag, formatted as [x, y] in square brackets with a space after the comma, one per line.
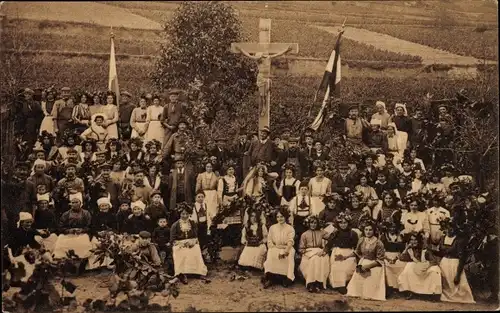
[330, 81]
[113, 76]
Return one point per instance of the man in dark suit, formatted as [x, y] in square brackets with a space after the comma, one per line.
[293, 155]
[31, 116]
[181, 182]
[263, 150]
[220, 152]
[342, 182]
[239, 151]
[319, 153]
[307, 152]
[172, 113]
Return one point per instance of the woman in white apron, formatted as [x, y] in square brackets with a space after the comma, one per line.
[368, 281]
[392, 239]
[138, 119]
[280, 261]
[48, 119]
[185, 246]
[207, 182]
[111, 113]
[342, 243]
[154, 127]
[254, 239]
[318, 187]
[421, 274]
[289, 185]
[314, 264]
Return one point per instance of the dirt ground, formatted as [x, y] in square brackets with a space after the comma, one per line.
[222, 294]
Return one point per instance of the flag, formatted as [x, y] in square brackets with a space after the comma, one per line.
[113, 76]
[330, 81]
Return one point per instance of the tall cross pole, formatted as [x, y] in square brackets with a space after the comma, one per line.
[263, 52]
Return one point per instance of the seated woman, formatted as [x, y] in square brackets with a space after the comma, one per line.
[185, 246]
[416, 219]
[368, 281]
[341, 244]
[45, 221]
[392, 239]
[74, 226]
[258, 182]
[421, 274]
[314, 264]
[97, 132]
[288, 186]
[280, 260]
[452, 248]
[253, 238]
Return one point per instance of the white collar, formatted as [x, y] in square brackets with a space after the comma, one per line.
[264, 141]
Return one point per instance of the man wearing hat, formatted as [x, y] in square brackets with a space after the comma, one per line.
[181, 183]
[176, 145]
[355, 127]
[124, 113]
[172, 113]
[220, 152]
[293, 155]
[32, 116]
[263, 150]
[63, 111]
[146, 248]
[108, 184]
[342, 182]
[240, 151]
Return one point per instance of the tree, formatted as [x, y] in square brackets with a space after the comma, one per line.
[196, 51]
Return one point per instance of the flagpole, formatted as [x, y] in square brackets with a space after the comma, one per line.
[341, 31]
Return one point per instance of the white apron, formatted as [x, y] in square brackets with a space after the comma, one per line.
[283, 267]
[421, 278]
[141, 126]
[253, 256]
[79, 243]
[91, 264]
[454, 293]
[188, 260]
[155, 131]
[371, 287]
[341, 271]
[313, 267]
[392, 271]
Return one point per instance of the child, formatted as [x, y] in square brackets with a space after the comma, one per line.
[137, 221]
[407, 169]
[200, 217]
[382, 184]
[41, 191]
[122, 215]
[161, 237]
[418, 183]
[45, 220]
[300, 209]
[156, 209]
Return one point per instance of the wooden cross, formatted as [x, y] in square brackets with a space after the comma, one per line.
[263, 52]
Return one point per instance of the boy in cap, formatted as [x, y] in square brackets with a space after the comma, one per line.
[146, 248]
[156, 209]
[161, 237]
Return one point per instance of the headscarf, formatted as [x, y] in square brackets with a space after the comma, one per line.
[401, 105]
[77, 196]
[382, 104]
[44, 197]
[24, 216]
[138, 204]
[39, 162]
[393, 125]
[104, 200]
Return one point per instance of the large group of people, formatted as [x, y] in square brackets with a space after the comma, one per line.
[387, 222]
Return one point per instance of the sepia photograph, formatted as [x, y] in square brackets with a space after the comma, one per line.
[249, 156]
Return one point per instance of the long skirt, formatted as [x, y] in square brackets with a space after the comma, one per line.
[78, 243]
[112, 131]
[454, 293]
[392, 271]
[212, 205]
[371, 286]
[341, 271]
[275, 265]
[313, 267]
[415, 279]
[155, 131]
[47, 125]
[188, 260]
[253, 256]
[48, 243]
[317, 205]
[92, 264]
[140, 125]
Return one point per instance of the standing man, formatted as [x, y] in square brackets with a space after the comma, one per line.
[239, 150]
[62, 112]
[124, 113]
[172, 113]
[220, 152]
[32, 116]
[263, 150]
[181, 182]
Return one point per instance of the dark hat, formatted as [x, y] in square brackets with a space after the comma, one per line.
[343, 164]
[286, 130]
[304, 184]
[155, 192]
[69, 165]
[242, 130]
[126, 93]
[65, 89]
[144, 234]
[25, 165]
[318, 140]
[265, 129]
[174, 91]
[105, 166]
[353, 106]
[179, 158]
[293, 139]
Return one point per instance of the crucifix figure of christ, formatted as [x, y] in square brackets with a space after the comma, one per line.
[263, 52]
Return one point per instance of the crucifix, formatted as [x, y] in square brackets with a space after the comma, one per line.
[263, 52]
